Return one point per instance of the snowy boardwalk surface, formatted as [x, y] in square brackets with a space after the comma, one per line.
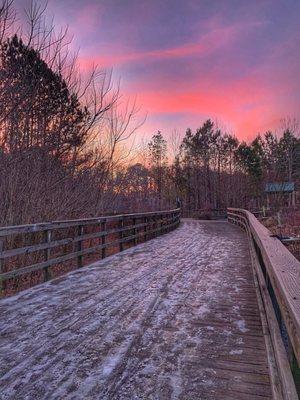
[173, 318]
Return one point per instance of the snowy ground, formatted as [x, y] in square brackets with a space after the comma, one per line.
[173, 318]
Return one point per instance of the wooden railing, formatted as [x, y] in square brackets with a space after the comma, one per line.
[205, 213]
[277, 278]
[41, 248]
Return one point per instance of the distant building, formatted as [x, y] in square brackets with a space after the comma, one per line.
[281, 193]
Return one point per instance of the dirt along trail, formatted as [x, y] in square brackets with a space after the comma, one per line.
[172, 318]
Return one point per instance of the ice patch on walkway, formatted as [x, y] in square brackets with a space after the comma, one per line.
[241, 325]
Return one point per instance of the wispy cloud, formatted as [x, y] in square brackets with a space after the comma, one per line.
[234, 61]
[207, 44]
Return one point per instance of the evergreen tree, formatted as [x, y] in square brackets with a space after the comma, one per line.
[37, 108]
[157, 148]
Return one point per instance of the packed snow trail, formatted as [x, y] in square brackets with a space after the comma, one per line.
[173, 318]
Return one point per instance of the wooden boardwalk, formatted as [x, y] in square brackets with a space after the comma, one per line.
[176, 317]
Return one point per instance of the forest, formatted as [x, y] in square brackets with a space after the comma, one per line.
[69, 148]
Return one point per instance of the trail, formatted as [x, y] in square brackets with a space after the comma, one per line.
[172, 318]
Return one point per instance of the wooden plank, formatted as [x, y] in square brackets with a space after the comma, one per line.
[283, 386]
[220, 360]
[276, 385]
[38, 247]
[283, 271]
[1, 266]
[121, 224]
[79, 247]
[134, 231]
[47, 255]
[103, 238]
[145, 227]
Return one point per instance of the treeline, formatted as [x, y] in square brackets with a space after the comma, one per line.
[214, 170]
[63, 136]
[61, 131]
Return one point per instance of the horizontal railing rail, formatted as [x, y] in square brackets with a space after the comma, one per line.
[205, 213]
[35, 248]
[277, 273]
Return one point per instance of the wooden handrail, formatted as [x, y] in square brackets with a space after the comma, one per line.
[128, 228]
[42, 226]
[278, 275]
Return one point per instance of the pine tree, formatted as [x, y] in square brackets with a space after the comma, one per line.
[158, 158]
[37, 109]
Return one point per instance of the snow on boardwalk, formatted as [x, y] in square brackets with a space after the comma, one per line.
[173, 318]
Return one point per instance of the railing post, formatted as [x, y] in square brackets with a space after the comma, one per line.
[134, 231]
[121, 225]
[79, 247]
[145, 228]
[103, 238]
[47, 255]
[1, 269]
[160, 224]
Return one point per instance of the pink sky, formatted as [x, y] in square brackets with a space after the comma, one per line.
[235, 62]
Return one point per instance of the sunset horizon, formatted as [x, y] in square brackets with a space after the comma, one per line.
[150, 199]
[232, 62]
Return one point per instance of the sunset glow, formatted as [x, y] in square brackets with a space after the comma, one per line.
[233, 61]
